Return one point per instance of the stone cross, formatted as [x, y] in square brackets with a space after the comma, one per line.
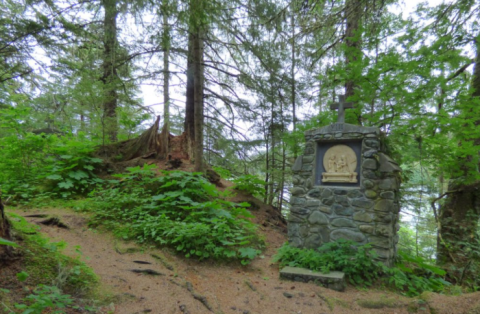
[341, 105]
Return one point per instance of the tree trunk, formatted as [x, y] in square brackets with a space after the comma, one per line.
[110, 77]
[198, 100]
[5, 251]
[272, 150]
[189, 127]
[353, 36]
[282, 178]
[194, 117]
[166, 79]
[459, 216]
[267, 165]
[292, 75]
[458, 236]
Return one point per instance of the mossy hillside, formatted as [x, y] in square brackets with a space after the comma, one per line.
[176, 209]
[43, 262]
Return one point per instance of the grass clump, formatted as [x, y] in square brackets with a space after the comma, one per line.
[411, 275]
[178, 209]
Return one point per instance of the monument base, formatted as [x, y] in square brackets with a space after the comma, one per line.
[334, 280]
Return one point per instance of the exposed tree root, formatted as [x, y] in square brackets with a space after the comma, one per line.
[250, 285]
[142, 262]
[147, 148]
[147, 272]
[54, 221]
[164, 261]
[198, 297]
[183, 309]
[202, 299]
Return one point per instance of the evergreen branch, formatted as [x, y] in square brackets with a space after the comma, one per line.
[460, 71]
[22, 74]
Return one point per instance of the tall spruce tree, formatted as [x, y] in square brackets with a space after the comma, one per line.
[110, 76]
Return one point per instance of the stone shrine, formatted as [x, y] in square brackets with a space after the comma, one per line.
[345, 186]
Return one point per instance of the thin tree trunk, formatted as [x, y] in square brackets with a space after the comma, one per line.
[166, 79]
[281, 184]
[82, 123]
[267, 164]
[292, 75]
[272, 168]
[189, 127]
[110, 77]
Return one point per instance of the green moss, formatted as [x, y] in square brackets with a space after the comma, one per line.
[342, 303]
[419, 305]
[43, 262]
[329, 301]
[378, 303]
[425, 296]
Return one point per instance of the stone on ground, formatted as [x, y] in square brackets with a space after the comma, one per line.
[334, 280]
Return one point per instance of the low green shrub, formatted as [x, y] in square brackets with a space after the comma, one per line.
[411, 275]
[69, 170]
[250, 184]
[222, 172]
[357, 262]
[47, 167]
[178, 209]
[45, 298]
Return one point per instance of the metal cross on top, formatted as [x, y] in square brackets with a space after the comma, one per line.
[341, 105]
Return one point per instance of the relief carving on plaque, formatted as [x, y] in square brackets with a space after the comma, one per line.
[340, 162]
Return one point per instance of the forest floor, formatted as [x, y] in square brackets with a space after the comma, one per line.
[191, 286]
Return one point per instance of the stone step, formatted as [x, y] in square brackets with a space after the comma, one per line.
[334, 280]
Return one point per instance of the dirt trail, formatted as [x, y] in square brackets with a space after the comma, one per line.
[188, 286]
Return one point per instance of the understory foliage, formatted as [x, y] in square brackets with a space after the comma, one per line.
[178, 209]
[47, 166]
[250, 184]
[411, 275]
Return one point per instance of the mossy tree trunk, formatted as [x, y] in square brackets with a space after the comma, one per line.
[458, 237]
[4, 233]
[458, 240]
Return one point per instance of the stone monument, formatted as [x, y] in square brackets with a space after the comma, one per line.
[345, 186]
